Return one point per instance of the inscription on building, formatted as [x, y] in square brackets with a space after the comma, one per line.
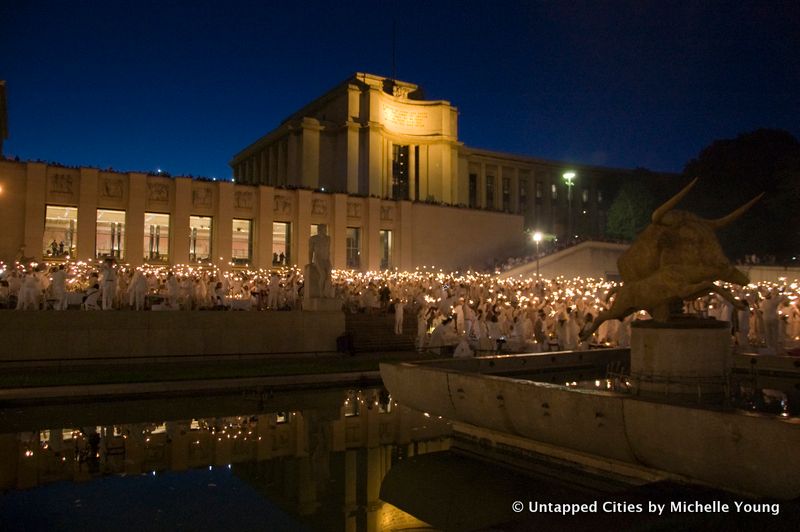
[61, 184]
[404, 118]
[201, 197]
[353, 210]
[157, 192]
[243, 199]
[111, 188]
[282, 204]
[319, 206]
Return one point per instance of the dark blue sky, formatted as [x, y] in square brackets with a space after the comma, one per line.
[184, 85]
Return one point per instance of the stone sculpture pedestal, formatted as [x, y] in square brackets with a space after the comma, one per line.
[322, 303]
[685, 359]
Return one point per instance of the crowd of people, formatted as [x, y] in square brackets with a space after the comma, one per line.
[464, 312]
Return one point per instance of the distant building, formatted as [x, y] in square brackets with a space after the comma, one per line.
[375, 136]
[379, 165]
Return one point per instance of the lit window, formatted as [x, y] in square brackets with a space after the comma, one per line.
[110, 232]
[281, 243]
[242, 242]
[156, 237]
[199, 238]
[353, 247]
[60, 231]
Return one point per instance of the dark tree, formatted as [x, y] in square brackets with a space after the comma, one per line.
[731, 172]
[630, 211]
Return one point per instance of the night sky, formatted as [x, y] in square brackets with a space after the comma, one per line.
[183, 86]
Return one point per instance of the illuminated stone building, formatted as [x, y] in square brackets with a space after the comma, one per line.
[382, 167]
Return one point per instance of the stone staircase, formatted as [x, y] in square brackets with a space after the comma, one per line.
[375, 332]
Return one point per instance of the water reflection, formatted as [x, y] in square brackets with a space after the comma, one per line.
[322, 464]
[316, 459]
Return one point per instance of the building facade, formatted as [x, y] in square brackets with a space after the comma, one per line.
[379, 165]
[53, 212]
[374, 136]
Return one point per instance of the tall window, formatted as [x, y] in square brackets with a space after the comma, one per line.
[490, 192]
[599, 196]
[109, 236]
[60, 232]
[354, 247]
[523, 196]
[386, 249]
[473, 191]
[554, 192]
[156, 237]
[281, 243]
[585, 195]
[400, 172]
[242, 242]
[538, 193]
[199, 238]
[507, 194]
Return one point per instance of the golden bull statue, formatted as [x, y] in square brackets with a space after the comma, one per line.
[676, 258]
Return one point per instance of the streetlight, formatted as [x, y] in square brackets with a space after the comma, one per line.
[568, 177]
[537, 237]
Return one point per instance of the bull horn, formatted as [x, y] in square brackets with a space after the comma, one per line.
[670, 203]
[719, 223]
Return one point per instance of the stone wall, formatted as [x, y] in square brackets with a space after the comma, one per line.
[96, 334]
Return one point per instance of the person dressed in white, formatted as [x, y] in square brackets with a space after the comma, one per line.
[399, 309]
[173, 291]
[58, 285]
[769, 306]
[28, 298]
[92, 297]
[109, 284]
[273, 298]
[137, 290]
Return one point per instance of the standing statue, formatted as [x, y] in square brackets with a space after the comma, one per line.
[676, 258]
[318, 271]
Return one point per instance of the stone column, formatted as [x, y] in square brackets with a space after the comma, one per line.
[293, 176]
[272, 177]
[179, 221]
[263, 227]
[222, 236]
[87, 213]
[134, 218]
[302, 229]
[352, 157]
[338, 232]
[36, 188]
[370, 245]
[309, 164]
[412, 172]
[404, 257]
[482, 186]
[282, 164]
[515, 191]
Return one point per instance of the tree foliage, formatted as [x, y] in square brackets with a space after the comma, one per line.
[630, 211]
[731, 172]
